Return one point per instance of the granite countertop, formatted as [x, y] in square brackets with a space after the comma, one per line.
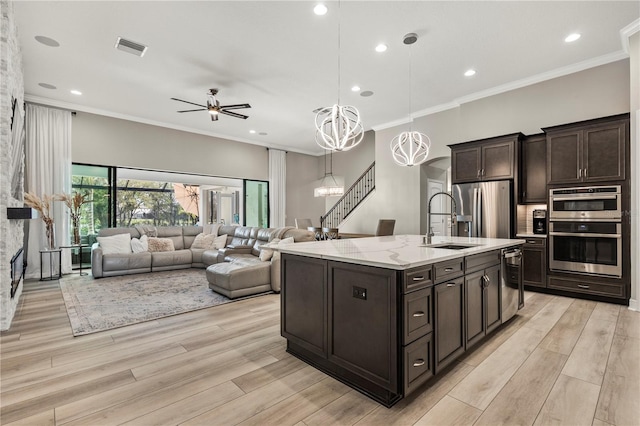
[395, 251]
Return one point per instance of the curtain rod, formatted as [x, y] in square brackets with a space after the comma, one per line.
[49, 106]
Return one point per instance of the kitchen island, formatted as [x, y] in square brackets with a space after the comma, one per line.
[385, 314]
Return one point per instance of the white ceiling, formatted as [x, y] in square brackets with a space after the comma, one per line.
[283, 59]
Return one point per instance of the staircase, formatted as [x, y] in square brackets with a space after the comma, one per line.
[362, 187]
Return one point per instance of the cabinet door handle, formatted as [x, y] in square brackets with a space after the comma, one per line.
[478, 174]
[418, 314]
[418, 278]
[585, 173]
[482, 171]
[487, 279]
[418, 362]
[583, 286]
[580, 173]
[531, 242]
[451, 284]
[448, 269]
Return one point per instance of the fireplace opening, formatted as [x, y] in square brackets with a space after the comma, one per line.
[17, 270]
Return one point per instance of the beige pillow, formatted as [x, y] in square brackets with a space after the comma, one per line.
[148, 230]
[160, 244]
[211, 228]
[204, 241]
[140, 245]
[266, 254]
[115, 244]
[221, 241]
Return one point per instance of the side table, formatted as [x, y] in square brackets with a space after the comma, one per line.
[79, 247]
[51, 252]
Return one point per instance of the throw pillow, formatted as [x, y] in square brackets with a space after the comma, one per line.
[140, 245]
[148, 230]
[211, 228]
[204, 241]
[267, 254]
[115, 244]
[221, 241]
[160, 244]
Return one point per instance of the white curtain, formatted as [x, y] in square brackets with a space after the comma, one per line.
[277, 187]
[48, 171]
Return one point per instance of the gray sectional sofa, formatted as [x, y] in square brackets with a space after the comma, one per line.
[235, 270]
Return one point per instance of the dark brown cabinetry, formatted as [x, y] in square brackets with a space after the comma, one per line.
[448, 301]
[482, 295]
[534, 262]
[589, 151]
[487, 159]
[533, 170]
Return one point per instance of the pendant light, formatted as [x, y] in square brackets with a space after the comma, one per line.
[410, 148]
[338, 127]
[328, 186]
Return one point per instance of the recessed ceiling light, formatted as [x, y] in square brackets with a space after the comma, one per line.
[355, 89]
[381, 47]
[252, 131]
[47, 41]
[47, 86]
[366, 93]
[572, 37]
[469, 72]
[320, 9]
[76, 92]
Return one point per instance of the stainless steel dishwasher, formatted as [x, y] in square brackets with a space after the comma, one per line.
[512, 287]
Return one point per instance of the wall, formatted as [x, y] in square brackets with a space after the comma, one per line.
[115, 142]
[302, 175]
[11, 84]
[592, 93]
[634, 53]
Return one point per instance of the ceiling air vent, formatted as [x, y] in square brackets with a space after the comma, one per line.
[131, 47]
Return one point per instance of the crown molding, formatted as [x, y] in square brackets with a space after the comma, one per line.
[83, 108]
[627, 32]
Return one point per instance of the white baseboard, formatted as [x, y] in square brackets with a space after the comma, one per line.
[633, 305]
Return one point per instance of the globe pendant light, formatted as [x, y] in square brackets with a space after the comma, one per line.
[338, 128]
[328, 186]
[410, 148]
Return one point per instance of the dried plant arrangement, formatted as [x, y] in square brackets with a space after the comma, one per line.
[43, 206]
[74, 203]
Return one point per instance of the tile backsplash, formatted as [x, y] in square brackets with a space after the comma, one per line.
[524, 213]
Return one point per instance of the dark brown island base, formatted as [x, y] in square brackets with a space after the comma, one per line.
[386, 314]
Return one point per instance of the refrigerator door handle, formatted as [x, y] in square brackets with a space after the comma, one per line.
[479, 212]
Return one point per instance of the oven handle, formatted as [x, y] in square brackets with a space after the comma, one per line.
[599, 197]
[576, 234]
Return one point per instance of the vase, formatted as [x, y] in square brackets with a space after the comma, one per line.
[50, 235]
[75, 239]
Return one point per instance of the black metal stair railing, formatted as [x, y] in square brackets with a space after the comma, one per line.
[361, 188]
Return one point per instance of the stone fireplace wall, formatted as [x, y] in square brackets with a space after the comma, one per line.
[11, 87]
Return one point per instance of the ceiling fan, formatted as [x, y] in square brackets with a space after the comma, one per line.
[214, 108]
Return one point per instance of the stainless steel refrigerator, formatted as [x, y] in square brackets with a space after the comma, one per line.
[484, 209]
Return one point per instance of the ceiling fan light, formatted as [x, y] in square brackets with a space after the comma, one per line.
[338, 128]
[410, 148]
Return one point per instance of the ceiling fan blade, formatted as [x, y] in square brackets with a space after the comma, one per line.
[187, 102]
[237, 106]
[234, 114]
[214, 117]
[192, 110]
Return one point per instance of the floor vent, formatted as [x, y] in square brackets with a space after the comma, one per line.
[131, 47]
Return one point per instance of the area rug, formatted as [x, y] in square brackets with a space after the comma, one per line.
[101, 304]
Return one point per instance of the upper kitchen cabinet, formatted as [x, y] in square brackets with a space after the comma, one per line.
[486, 159]
[588, 151]
[533, 170]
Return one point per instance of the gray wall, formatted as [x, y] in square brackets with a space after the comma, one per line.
[98, 139]
[302, 175]
[592, 93]
[634, 51]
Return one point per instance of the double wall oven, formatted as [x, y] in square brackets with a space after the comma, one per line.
[585, 230]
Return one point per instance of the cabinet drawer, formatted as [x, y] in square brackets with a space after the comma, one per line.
[481, 260]
[418, 363]
[444, 271]
[418, 314]
[417, 278]
[536, 242]
[600, 289]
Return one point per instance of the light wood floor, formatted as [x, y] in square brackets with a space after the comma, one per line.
[561, 361]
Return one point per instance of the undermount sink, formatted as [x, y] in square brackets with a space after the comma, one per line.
[451, 246]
